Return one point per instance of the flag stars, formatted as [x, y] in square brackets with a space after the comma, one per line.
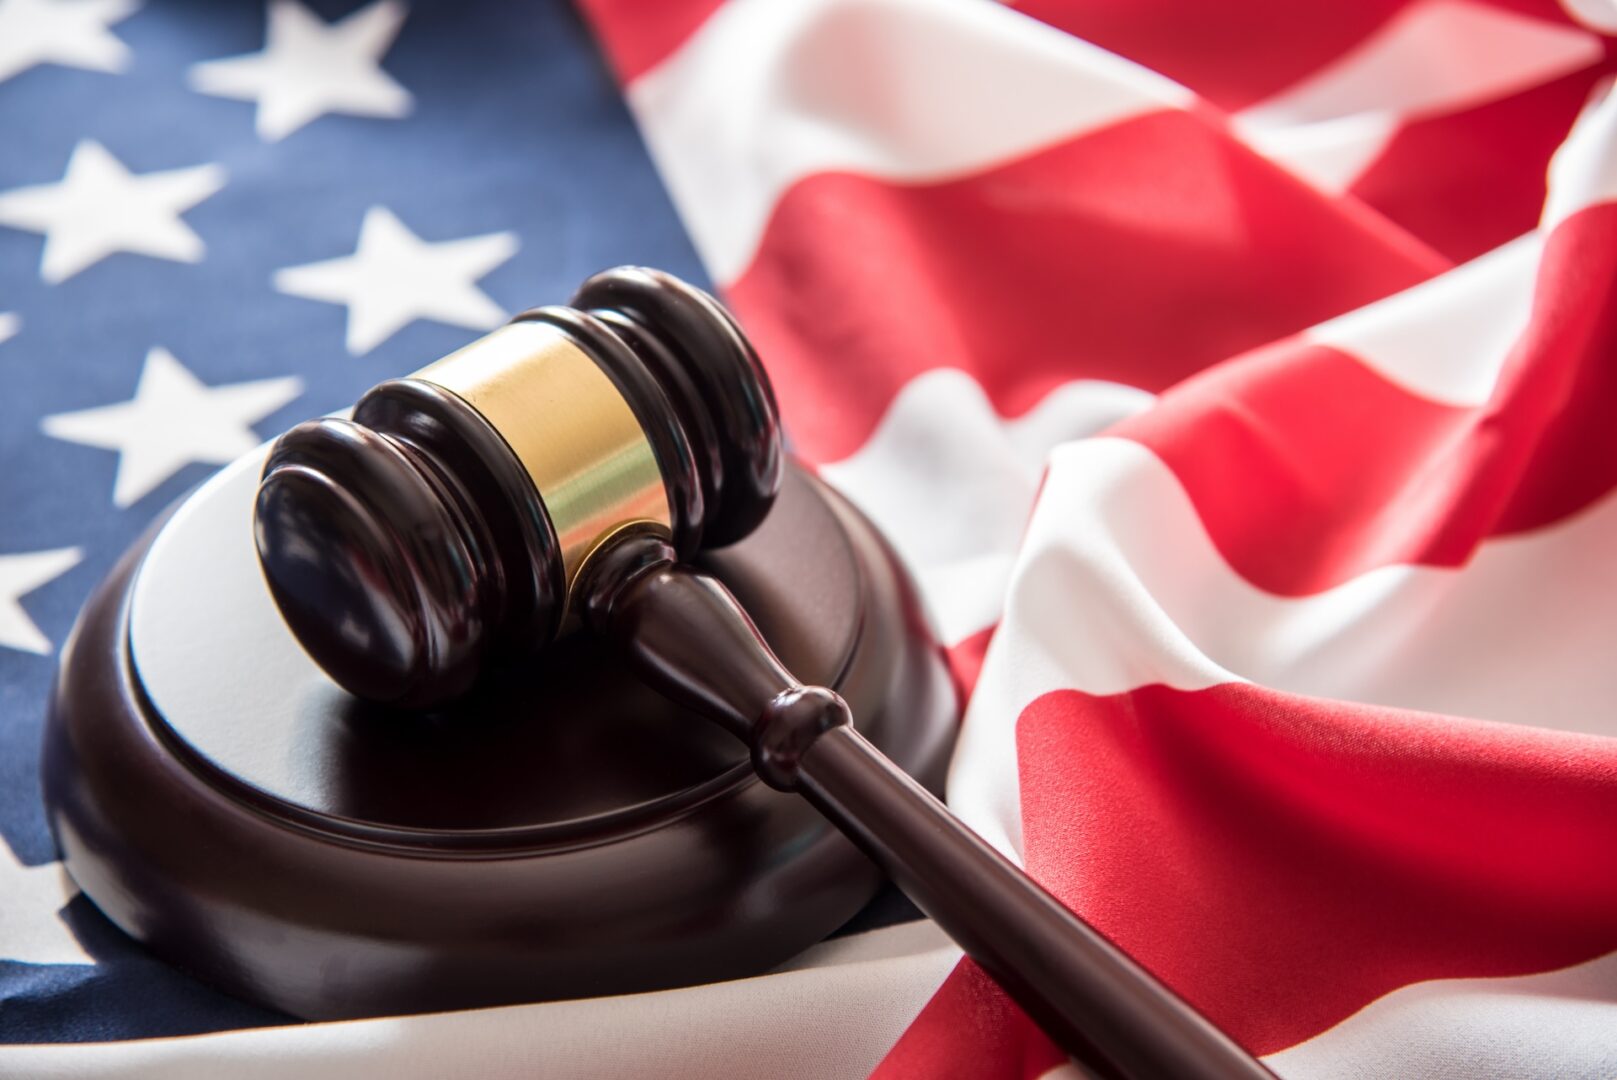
[309, 68]
[99, 208]
[73, 33]
[31, 926]
[10, 323]
[394, 277]
[21, 574]
[172, 421]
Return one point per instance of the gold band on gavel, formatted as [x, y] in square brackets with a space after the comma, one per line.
[570, 428]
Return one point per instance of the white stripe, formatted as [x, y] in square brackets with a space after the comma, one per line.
[1562, 1024]
[1598, 15]
[1518, 635]
[1330, 154]
[951, 484]
[1119, 586]
[1119, 569]
[1435, 57]
[833, 1021]
[1070, 1070]
[1079, 615]
[1446, 339]
[768, 92]
[1584, 169]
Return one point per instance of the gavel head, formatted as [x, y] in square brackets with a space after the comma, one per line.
[442, 530]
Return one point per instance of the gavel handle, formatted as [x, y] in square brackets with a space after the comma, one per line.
[686, 636]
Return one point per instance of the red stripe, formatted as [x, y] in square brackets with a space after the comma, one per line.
[1308, 469]
[1469, 181]
[1140, 253]
[966, 660]
[969, 1030]
[1464, 182]
[638, 34]
[1232, 53]
[1282, 861]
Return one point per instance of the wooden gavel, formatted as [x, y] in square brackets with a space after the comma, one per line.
[562, 470]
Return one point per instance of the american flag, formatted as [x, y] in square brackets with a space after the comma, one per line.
[1235, 376]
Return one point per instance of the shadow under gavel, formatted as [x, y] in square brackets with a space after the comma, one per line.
[562, 470]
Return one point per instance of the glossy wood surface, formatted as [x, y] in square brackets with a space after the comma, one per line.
[409, 548]
[388, 537]
[686, 635]
[714, 383]
[1089, 996]
[572, 833]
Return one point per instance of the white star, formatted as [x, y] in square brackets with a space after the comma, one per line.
[394, 277]
[10, 323]
[309, 68]
[172, 421]
[70, 32]
[99, 207]
[31, 928]
[19, 576]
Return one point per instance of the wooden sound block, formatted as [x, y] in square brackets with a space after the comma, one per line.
[568, 833]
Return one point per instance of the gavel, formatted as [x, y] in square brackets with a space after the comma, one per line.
[559, 473]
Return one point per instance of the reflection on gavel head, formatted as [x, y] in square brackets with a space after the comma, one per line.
[444, 529]
[570, 462]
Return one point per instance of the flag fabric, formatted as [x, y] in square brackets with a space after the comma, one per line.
[1233, 376]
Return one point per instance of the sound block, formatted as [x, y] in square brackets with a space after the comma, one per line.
[568, 833]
